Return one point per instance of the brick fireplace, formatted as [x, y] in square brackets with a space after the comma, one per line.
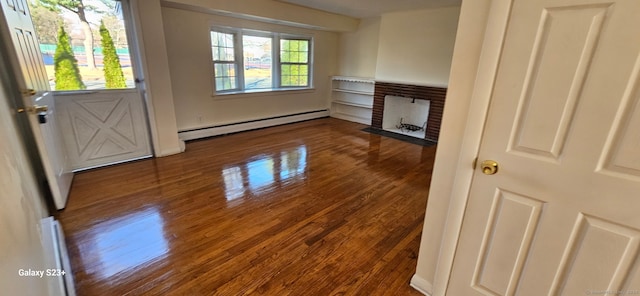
[435, 95]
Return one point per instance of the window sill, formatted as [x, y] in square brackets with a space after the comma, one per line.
[262, 92]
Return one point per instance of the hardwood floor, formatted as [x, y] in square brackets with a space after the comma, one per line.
[312, 208]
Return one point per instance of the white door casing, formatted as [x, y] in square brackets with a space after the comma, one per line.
[561, 215]
[31, 75]
[103, 127]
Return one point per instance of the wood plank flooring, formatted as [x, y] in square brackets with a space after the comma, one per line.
[311, 208]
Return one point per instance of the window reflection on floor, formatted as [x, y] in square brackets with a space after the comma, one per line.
[293, 163]
[260, 173]
[233, 182]
[125, 244]
[264, 173]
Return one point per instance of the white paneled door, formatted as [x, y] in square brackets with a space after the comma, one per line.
[103, 127]
[32, 80]
[562, 214]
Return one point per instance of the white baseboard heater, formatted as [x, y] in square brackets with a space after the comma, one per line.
[249, 125]
[57, 257]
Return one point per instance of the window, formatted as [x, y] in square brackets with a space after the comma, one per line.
[246, 61]
[224, 61]
[294, 62]
[257, 62]
[83, 46]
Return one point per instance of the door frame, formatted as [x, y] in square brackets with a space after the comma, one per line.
[465, 115]
[131, 11]
[140, 71]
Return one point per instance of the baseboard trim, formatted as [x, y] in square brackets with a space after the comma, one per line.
[57, 257]
[421, 285]
[352, 118]
[173, 150]
[250, 125]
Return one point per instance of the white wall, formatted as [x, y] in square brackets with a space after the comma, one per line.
[416, 47]
[188, 44]
[359, 49]
[21, 209]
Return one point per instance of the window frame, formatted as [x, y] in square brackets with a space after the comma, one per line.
[276, 74]
[308, 63]
[237, 61]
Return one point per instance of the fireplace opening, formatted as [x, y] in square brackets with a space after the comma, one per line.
[406, 116]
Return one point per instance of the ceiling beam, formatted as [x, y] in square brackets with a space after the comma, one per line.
[271, 12]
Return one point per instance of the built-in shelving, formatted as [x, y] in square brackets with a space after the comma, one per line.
[353, 104]
[352, 98]
[364, 93]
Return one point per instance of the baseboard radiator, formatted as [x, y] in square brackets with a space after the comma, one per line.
[199, 133]
[57, 257]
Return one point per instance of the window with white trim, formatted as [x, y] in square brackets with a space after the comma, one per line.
[247, 61]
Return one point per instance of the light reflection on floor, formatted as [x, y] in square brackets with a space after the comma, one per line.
[256, 175]
[260, 173]
[125, 244]
[233, 182]
[293, 163]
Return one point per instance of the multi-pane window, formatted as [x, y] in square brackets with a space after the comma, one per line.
[258, 63]
[294, 62]
[224, 61]
[248, 60]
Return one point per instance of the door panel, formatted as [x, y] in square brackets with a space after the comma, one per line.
[561, 215]
[508, 235]
[103, 127]
[560, 59]
[596, 243]
[30, 76]
[620, 157]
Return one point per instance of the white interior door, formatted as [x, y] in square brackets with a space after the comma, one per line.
[562, 214]
[31, 76]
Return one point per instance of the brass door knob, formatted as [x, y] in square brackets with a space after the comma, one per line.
[489, 167]
[34, 109]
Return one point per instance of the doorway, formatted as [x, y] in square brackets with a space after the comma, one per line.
[92, 69]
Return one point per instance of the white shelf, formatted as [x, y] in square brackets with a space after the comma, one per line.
[353, 104]
[352, 98]
[358, 92]
[353, 79]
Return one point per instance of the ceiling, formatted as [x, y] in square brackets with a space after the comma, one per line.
[371, 8]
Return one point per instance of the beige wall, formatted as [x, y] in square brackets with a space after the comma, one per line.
[417, 46]
[21, 209]
[179, 99]
[359, 49]
[466, 62]
[189, 52]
